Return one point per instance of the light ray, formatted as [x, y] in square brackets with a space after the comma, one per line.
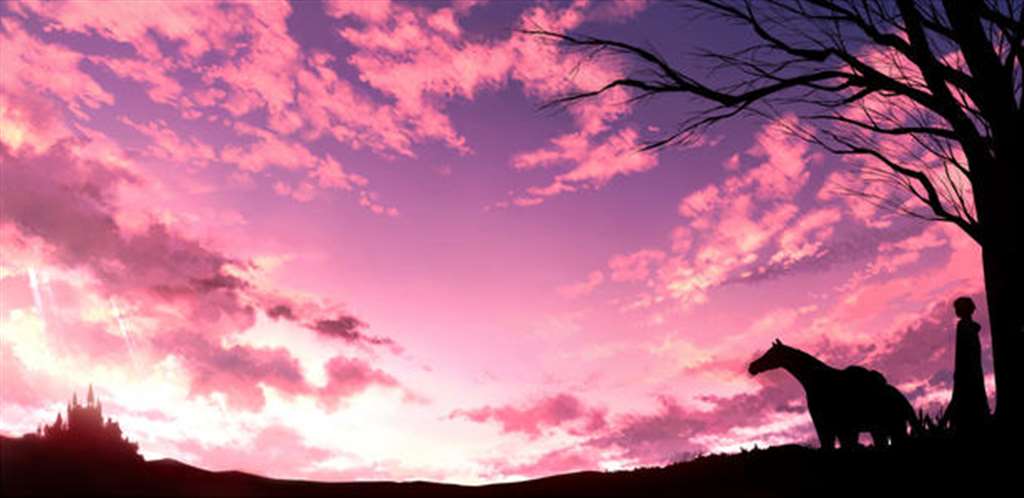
[33, 282]
[125, 327]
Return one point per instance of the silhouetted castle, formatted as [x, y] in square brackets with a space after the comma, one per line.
[84, 428]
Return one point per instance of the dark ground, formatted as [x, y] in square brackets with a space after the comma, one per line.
[934, 468]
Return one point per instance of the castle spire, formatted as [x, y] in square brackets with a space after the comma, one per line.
[90, 400]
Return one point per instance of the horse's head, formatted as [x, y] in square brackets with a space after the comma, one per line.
[773, 358]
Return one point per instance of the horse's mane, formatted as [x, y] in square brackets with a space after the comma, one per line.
[806, 356]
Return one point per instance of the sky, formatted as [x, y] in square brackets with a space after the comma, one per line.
[343, 241]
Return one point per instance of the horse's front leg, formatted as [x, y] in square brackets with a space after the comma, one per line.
[826, 436]
[827, 440]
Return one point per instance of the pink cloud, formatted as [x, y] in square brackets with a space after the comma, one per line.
[132, 22]
[416, 59]
[700, 202]
[682, 239]
[263, 68]
[259, 67]
[394, 55]
[592, 165]
[31, 66]
[619, 10]
[734, 223]
[262, 76]
[875, 291]
[30, 122]
[376, 11]
[349, 376]
[370, 201]
[23, 386]
[673, 432]
[330, 174]
[557, 461]
[169, 146]
[733, 162]
[804, 238]
[784, 170]
[303, 192]
[269, 452]
[840, 184]
[558, 411]
[268, 149]
[153, 74]
[618, 155]
[729, 240]
[635, 266]
[333, 107]
[594, 279]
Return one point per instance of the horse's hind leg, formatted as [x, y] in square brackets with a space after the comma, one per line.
[848, 440]
[879, 438]
[898, 431]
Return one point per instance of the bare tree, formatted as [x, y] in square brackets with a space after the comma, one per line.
[926, 95]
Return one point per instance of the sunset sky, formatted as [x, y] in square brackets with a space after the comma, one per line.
[341, 241]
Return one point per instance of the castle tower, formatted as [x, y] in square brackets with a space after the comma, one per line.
[84, 429]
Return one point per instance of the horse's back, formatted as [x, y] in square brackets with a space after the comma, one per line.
[864, 377]
[866, 399]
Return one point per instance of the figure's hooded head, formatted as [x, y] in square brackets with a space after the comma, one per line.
[964, 307]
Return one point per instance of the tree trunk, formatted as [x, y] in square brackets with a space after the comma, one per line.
[1001, 217]
[1004, 276]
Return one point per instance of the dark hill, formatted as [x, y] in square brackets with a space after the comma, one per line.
[937, 468]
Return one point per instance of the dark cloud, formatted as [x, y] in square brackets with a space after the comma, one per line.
[187, 286]
[345, 327]
[348, 328]
[235, 371]
[858, 244]
[342, 326]
[920, 352]
[779, 394]
[656, 438]
[281, 311]
[925, 350]
[69, 204]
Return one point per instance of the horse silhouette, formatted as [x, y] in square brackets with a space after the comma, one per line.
[844, 403]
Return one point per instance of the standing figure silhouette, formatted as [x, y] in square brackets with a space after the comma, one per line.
[968, 409]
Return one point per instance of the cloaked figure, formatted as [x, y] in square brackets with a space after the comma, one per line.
[968, 411]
